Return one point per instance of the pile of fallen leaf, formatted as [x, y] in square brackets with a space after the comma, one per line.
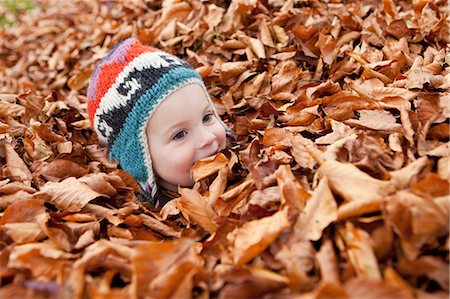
[337, 185]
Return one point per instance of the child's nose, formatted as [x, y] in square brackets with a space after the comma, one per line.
[207, 138]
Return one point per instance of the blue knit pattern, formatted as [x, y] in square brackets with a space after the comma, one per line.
[129, 146]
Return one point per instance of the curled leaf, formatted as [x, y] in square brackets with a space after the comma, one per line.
[254, 237]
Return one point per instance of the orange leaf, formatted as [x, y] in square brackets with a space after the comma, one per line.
[254, 237]
[208, 166]
[290, 190]
[196, 208]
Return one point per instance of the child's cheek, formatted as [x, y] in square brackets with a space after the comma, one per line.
[185, 159]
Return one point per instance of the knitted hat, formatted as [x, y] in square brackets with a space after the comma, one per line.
[125, 90]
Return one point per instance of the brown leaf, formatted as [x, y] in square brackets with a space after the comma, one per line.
[430, 266]
[352, 184]
[99, 153]
[26, 210]
[128, 180]
[380, 92]
[298, 257]
[319, 212]
[432, 185]
[58, 233]
[233, 192]
[372, 289]
[218, 186]
[61, 169]
[24, 232]
[291, 192]
[340, 130]
[84, 124]
[39, 149]
[281, 35]
[10, 109]
[80, 80]
[416, 219]
[96, 256]
[267, 198]
[103, 183]
[64, 147]
[46, 133]
[159, 267]
[394, 279]
[193, 205]
[279, 137]
[254, 237]
[42, 259]
[30, 289]
[286, 78]
[383, 241]
[402, 177]
[265, 35]
[159, 226]
[328, 49]
[398, 28]
[170, 209]
[304, 152]
[251, 283]
[231, 69]
[375, 120]
[208, 166]
[69, 195]
[7, 200]
[328, 264]
[359, 252]
[17, 169]
[252, 88]
[443, 170]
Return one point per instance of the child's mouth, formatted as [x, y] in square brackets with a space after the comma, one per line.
[213, 153]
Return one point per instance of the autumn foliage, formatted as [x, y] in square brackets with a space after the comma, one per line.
[336, 187]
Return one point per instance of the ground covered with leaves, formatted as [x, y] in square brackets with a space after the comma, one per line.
[337, 185]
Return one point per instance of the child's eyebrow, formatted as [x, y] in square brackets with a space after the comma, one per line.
[176, 125]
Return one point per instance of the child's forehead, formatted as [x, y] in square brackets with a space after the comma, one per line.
[186, 103]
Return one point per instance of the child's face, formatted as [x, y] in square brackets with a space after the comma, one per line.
[182, 130]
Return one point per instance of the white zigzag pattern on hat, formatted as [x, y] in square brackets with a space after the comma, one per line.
[113, 99]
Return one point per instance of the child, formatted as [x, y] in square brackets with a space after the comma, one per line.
[153, 113]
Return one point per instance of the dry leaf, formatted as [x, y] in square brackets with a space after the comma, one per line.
[196, 208]
[253, 237]
[69, 195]
[359, 252]
[333, 95]
[352, 184]
[208, 166]
[319, 212]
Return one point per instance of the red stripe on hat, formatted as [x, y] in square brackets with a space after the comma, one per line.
[109, 72]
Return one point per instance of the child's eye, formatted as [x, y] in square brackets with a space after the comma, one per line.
[180, 135]
[207, 117]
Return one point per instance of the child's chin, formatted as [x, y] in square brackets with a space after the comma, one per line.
[189, 184]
